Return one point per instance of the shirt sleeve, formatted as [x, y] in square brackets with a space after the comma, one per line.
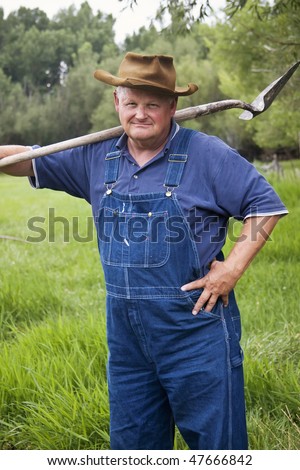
[242, 192]
[67, 171]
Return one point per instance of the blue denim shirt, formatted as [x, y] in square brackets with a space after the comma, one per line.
[218, 183]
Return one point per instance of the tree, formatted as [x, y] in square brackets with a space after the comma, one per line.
[51, 82]
[42, 45]
[97, 29]
[185, 13]
[235, 58]
[249, 54]
[28, 18]
[254, 6]
[12, 104]
[66, 111]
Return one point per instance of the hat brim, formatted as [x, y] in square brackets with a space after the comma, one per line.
[110, 79]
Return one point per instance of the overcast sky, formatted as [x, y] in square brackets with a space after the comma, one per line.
[127, 21]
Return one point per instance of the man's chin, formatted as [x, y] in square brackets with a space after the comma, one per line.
[140, 134]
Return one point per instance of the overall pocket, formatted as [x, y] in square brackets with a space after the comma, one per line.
[133, 239]
[231, 322]
[194, 295]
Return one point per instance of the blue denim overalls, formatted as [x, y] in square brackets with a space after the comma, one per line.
[165, 365]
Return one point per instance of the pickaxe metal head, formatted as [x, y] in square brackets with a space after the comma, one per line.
[264, 100]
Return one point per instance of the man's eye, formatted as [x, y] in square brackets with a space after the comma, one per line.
[153, 105]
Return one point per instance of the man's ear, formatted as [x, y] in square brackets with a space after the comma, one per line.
[116, 101]
[174, 105]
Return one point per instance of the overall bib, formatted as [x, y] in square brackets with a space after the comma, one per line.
[165, 365]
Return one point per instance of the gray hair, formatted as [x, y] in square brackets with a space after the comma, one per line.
[121, 91]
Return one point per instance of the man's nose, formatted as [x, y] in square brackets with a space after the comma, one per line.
[141, 112]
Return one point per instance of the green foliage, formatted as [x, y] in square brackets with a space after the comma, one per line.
[77, 99]
[249, 55]
[84, 27]
[183, 13]
[270, 8]
[12, 103]
[49, 93]
[42, 44]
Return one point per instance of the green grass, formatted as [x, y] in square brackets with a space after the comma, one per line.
[53, 392]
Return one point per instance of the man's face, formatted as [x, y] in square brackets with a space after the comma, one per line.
[145, 116]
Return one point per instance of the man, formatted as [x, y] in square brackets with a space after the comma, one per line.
[161, 197]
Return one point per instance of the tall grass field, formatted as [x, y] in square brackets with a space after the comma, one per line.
[53, 391]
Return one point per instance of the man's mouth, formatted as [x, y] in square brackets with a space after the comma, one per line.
[141, 124]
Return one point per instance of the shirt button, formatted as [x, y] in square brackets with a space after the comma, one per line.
[135, 176]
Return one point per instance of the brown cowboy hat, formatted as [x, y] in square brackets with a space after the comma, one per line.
[147, 72]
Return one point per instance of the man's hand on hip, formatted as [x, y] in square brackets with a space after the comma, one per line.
[217, 283]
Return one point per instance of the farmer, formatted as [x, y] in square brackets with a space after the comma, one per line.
[161, 197]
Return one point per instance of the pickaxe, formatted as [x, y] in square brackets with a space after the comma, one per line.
[262, 102]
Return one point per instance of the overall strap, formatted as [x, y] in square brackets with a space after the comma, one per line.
[112, 161]
[178, 158]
